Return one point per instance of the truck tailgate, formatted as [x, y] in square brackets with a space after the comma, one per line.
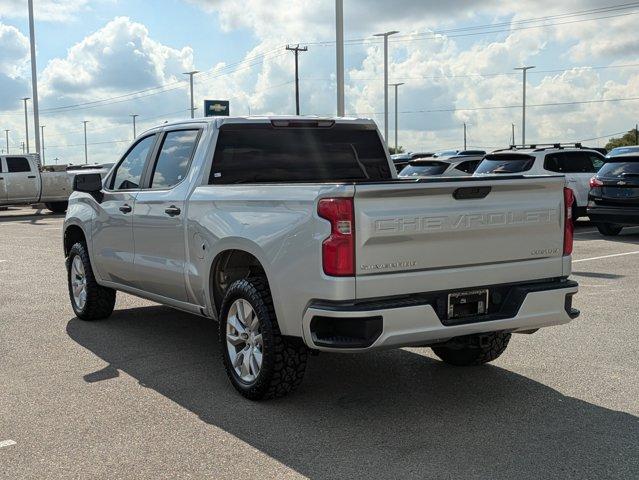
[449, 234]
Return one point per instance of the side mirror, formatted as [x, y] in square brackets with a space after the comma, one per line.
[87, 182]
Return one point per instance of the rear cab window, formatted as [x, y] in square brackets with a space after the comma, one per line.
[267, 153]
[506, 163]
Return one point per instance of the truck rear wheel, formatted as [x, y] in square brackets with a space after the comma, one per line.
[609, 229]
[89, 300]
[57, 207]
[260, 362]
[473, 349]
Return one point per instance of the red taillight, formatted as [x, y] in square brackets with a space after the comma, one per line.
[569, 227]
[595, 182]
[338, 250]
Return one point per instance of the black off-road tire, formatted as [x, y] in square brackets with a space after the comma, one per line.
[609, 229]
[57, 207]
[284, 358]
[100, 300]
[473, 349]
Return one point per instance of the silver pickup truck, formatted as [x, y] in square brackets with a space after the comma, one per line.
[296, 234]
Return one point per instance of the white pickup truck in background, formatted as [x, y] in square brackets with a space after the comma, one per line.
[24, 181]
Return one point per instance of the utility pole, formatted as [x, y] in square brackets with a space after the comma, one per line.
[26, 121]
[42, 129]
[6, 133]
[86, 153]
[636, 134]
[464, 135]
[34, 81]
[23, 151]
[523, 104]
[296, 50]
[339, 54]
[386, 35]
[396, 113]
[190, 74]
[133, 115]
[512, 125]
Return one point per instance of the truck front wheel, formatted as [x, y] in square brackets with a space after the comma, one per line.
[89, 300]
[473, 349]
[260, 362]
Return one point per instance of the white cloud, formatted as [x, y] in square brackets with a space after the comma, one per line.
[44, 10]
[13, 63]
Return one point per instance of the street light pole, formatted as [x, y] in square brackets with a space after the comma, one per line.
[6, 132]
[464, 135]
[396, 113]
[339, 54]
[86, 152]
[523, 104]
[513, 133]
[133, 115]
[386, 35]
[34, 81]
[26, 121]
[42, 129]
[190, 74]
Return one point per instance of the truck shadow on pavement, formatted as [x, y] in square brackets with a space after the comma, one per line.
[390, 414]
[32, 219]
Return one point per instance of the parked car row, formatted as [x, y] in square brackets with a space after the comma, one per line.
[606, 188]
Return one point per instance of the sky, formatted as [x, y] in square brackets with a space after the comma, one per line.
[102, 60]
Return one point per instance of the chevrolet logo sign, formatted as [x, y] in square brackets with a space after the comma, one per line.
[217, 107]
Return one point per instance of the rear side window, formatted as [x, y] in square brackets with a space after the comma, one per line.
[507, 163]
[17, 164]
[261, 153]
[128, 173]
[175, 157]
[468, 167]
[424, 168]
[619, 168]
[572, 162]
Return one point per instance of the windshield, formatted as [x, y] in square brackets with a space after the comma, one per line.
[619, 168]
[424, 168]
[505, 164]
[622, 150]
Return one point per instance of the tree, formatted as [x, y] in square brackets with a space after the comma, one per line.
[392, 151]
[630, 138]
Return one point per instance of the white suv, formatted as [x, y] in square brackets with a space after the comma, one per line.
[578, 164]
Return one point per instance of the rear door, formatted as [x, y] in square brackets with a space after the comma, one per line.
[578, 167]
[113, 246]
[159, 216]
[21, 180]
[453, 229]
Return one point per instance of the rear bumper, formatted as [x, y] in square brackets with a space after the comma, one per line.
[416, 320]
[618, 215]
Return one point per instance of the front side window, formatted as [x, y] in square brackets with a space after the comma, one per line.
[17, 164]
[128, 173]
[174, 159]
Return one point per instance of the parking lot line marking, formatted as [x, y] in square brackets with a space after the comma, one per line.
[7, 443]
[606, 256]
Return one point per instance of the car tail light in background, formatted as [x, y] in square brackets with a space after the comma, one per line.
[595, 182]
[338, 250]
[569, 227]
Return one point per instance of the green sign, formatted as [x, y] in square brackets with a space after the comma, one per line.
[216, 108]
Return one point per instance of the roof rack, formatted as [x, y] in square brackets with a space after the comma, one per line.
[543, 146]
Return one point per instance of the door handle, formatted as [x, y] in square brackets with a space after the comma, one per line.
[172, 211]
[126, 208]
[31, 176]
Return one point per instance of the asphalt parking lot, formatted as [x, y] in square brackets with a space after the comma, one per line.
[143, 394]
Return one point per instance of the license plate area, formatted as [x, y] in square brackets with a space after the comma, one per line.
[471, 303]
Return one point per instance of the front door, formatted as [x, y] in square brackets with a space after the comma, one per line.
[159, 217]
[113, 247]
[3, 183]
[21, 180]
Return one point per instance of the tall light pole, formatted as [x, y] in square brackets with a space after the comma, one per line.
[34, 81]
[86, 152]
[396, 113]
[133, 115]
[523, 104]
[42, 129]
[6, 133]
[512, 125]
[339, 54]
[296, 50]
[190, 74]
[386, 35]
[464, 135]
[26, 121]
